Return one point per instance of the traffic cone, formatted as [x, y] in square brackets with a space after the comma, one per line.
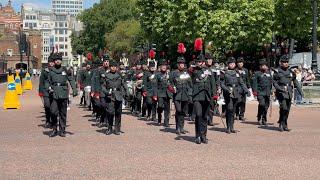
[27, 83]
[18, 84]
[11, 99]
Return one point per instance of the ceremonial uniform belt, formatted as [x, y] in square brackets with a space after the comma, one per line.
[59, 84]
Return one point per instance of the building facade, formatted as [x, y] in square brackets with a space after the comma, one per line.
[71, 7]
[9, 18]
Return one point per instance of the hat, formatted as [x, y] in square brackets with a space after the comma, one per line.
[231, 60]
[240, 59]
[162, 62]
[50, 58]
[106, 57]
[152, 64]
[113, 63]
[56, 56]
[284, 58]
[144, 62]
[208, 56]
[263, 62]
[181, 60]
[200, 58]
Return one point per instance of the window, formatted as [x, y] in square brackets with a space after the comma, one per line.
[26, 25]
[60, 31]
[65, 24]
[56, 39]
[60, 39]
[66, 39]
[46, 49]
[34, 24]
[66, 54]
[61, 46]
[66, 46]
[45, 41]
[60, 24]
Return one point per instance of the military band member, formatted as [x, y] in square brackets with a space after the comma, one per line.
[149, 91]
[138, 79]
[162, 93]
[58, 78]
[284, 81]
[262, 89]
[203, 89]
[44, 91]
[86, 77]
[145, 70]
[244, 74]
[232, 85]
[113, 86]
[181, 87]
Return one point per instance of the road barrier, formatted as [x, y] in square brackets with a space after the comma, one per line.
[311, 91]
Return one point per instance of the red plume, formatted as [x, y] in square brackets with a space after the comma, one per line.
[198, 44]
[152, 54]
[89, 56]
[181, 48]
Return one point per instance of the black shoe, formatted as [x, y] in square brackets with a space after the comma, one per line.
[259, 122]
[47, 125]
[109, 131]
[204, 140]
[210, 124]
[178, 132]
[101, 125]
[116, 132]
[281, 128]
[233, 131]
[236, 118]
[242, 119]
[62, 133]
[264, 123]
[54, 133]
[166, 125]
[198, 140]
[182, 131]
[286, 129]
[228, 131]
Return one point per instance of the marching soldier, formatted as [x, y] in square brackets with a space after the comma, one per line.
[86, 76]
[44, 91]
[232, 85]
[58, 78]
[162, 93]
[181, 87]
[137, 78]
[262, 89]
[80, 83]
[284, 81]
[113, 86]
[149, 91]
[244, 74]
[203, 89]
[145, 70]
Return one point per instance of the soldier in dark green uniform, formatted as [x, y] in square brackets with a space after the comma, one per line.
[262, 89]
[232, 85]
[244, 74]
[58, 78]
[137, 78]
[181, 87]
[162, 93]
[80, 83]
[145, 69]
[149, 91]
[284, 81]
[114, 87]
[203, 89]
[86, 77]
[44, 91]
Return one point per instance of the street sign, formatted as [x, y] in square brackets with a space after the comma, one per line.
[11, 86]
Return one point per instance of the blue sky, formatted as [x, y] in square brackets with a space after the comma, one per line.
[42, 3]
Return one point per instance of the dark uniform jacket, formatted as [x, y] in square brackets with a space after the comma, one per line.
[262, 83]
[137, 77]
[204, 85]
[284, 81]
[86, 77]
[182, 83]
[113, 86]
[97, 80]
[244, 74]
[232, 84]
[58, 79]
[44, 82]
[149, 83]
[162, 85]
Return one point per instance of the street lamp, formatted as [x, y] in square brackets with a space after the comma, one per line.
[314, 65]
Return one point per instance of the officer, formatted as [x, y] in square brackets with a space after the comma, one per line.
[162, 93]
[203, 89]
[113, 86]
[149, 91]
[138, 79]
[262, 89]
[97, 94]
[215, 73]
[58, 78]
[86, 77]
[80, 83]
[284, 81]
[232, 84]
[44, 91]
[181, 87]
[244, 74]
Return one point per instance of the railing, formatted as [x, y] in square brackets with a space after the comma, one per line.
[311, 91]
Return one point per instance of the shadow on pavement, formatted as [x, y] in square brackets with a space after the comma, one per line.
[250, 122]
[153, 124]
[47, 133]
[271, 128]
[185, 138]
[102, 131]
[218, 129]
[168, 130]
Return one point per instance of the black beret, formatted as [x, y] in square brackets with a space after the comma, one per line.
[50, 58]
[113, 63]
[240, 59]
[152, 64]
[231, 60]
[56, 56]
[200, 58]
[208, 56]
[162, 62]
[263, 62]
[181, 60]
[284, 58]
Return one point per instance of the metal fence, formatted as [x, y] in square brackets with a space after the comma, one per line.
[311, 91]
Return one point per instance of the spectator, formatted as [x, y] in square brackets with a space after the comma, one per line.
[298, 96]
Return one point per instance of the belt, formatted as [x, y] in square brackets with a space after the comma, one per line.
[114, 89]
[59, 84]
[233, 85]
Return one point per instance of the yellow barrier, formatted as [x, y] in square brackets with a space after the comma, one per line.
[11, 99]
[27, 84]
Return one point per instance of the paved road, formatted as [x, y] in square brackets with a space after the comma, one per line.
[146, 151]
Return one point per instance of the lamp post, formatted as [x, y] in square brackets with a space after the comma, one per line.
[314, 65]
